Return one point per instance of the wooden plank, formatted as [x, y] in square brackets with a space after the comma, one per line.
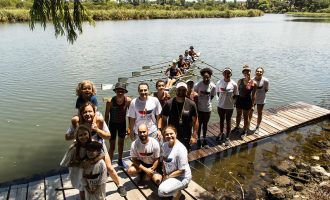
[301, 112]
[198, 191]
[18, 192]
[280, 120]
[51, 184]
[307, 112]
[4, 193]
[36, 190]
[132, 190]
[149, 189]
[69, 193]
[282, 116]
[320, 109]
[111, 191]
[290, 114]
[272, 123]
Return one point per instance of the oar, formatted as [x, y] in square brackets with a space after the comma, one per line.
[209, 65]
[149, 66]
[137, 74]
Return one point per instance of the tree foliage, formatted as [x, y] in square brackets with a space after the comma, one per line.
[66, 17]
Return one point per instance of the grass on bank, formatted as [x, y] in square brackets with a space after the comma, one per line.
[22, 15]
[308, 14]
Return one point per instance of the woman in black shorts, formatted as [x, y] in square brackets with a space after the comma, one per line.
[246, 98]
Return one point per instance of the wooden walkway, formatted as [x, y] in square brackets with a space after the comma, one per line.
[275, 121]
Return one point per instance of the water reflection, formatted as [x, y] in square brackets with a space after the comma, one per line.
[322, 20]
[252, 165]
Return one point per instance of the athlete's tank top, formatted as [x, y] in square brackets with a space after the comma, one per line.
[243, 91]
[173, 72]
[118, 112]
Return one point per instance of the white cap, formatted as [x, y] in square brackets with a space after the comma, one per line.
[181, 84]
[174, 61]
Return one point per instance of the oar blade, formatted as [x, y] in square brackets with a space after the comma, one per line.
[106, 86]
[146, 67]
[123, 79]
[136, 74]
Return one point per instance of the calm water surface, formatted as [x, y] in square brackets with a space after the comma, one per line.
[39, 73]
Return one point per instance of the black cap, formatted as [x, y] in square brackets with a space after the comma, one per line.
[94, 145]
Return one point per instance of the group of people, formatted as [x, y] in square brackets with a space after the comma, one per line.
[180, 67]
[163, 129]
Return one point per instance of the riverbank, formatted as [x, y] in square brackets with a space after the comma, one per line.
[22, 15]
[308, 14]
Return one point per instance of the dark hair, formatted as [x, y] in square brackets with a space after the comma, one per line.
[94, 145]
[159, 81]
[82, 108]
[263, 71]
[77, 142]
[206, 70]
[143, 83]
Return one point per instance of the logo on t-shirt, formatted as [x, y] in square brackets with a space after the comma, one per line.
[146, 153]
[145, 112]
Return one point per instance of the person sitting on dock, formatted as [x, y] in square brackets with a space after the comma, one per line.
[115, 117]
[161, 94]
[181, 112]
[262, 89]
[172, 73]
[94, 176]
[145, 155]
[206, 92]
[245, 100]
[145, 109]
[176, 169]
[227, 91]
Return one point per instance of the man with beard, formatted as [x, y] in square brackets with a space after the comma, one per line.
[145, 110]
[181, 112]
[145, 154]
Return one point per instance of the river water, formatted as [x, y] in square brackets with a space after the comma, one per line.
[39, 73]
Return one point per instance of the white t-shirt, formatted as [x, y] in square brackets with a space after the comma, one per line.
[176, 158]
[147, 153]
[226, 92]
[204, 95]
[95, 176]
[262, 87]
[145, 112]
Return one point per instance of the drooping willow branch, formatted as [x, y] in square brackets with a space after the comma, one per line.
[66, 20]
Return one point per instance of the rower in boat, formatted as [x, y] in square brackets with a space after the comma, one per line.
[187, 58]
[193, 54]
[183, 65]
[172, 73]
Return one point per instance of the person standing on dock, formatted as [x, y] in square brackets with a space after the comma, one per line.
[206, 92]
[145, 109]
[227, 91]
[145, 155]
[262, 89]
[115, 117]
[161, 94]
[245, 100]
[181, 112]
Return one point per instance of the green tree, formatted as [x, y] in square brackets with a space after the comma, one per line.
[67, 18]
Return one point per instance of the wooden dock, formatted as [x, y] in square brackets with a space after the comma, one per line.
[275, 121]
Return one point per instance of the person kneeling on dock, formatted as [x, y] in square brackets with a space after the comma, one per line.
[145, 154]
[176, 170]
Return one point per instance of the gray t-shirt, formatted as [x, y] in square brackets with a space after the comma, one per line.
[147, 153]
[262, 87]
[176, 158]
[205, 92]
[226, 91]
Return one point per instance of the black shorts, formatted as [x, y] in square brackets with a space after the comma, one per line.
[117, 128]
[158, 169]
[244, 103]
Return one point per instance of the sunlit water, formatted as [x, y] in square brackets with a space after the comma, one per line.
[39, 73]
